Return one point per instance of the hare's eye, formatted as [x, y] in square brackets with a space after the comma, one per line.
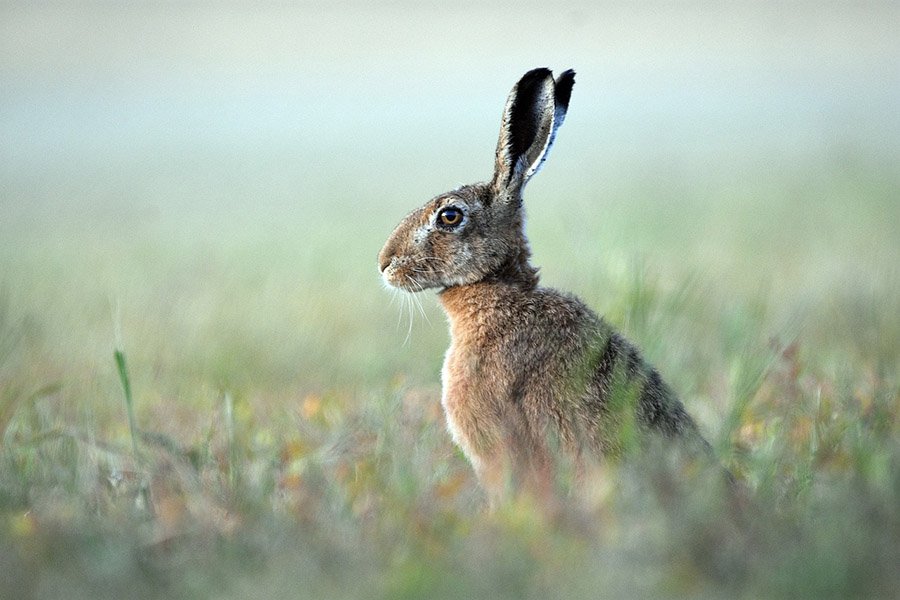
[450, 217]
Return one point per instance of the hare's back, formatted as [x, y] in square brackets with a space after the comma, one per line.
[588, 356]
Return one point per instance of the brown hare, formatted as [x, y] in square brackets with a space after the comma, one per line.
[531, 374]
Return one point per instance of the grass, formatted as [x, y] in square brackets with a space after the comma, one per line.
[279, 438]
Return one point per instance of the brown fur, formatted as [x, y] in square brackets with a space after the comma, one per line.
[530, 370]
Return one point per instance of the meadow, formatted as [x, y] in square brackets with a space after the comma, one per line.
[206, 391]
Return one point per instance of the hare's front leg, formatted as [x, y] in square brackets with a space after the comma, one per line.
[492, 473]
[502, 478]
[481, 446]
[488, 460]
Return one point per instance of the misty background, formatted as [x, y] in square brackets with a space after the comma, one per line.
[184, 174]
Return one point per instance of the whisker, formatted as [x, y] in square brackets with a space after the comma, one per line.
[409, 301]
[415, 301]
[422, 309]
[418, 301]
[419, 287]
[400, 294]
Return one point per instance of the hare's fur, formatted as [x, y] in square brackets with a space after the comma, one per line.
[529, 370]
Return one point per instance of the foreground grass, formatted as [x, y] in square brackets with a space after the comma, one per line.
[349, 492]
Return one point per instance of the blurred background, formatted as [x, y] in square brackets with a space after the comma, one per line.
[210, 184]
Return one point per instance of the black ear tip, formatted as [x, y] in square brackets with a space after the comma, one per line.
[563, 92]
[534, 76]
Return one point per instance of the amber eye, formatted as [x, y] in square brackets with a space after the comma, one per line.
[450, 217]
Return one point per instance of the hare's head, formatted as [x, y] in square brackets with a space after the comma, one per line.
[475, 232]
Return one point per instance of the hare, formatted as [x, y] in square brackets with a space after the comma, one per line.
[531, 373]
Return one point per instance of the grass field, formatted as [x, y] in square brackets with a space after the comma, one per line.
[206, 193]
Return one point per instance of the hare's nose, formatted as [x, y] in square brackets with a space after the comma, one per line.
[384, 260]
[387, 254]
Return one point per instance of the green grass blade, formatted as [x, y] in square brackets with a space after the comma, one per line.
[129, 401]
[132, 423]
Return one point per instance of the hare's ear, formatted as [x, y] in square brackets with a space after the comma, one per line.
[535, 109]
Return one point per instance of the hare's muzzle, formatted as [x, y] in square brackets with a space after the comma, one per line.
[384, 260]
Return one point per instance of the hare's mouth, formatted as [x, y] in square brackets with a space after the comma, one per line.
[407, 278]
